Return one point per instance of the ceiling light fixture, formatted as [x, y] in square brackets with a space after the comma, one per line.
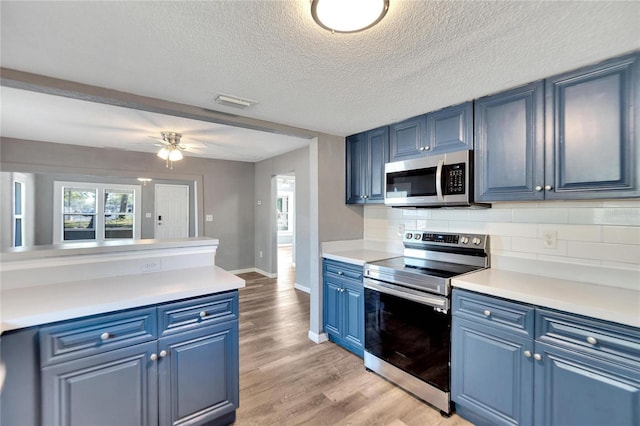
[348, 16]
[172, 150]
[234, 101]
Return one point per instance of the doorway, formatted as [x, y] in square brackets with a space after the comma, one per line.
[171, 211]
[285, 225]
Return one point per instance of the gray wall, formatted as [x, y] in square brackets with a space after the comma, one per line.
[265, 226]
[224, 188]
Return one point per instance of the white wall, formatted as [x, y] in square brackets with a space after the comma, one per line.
[592, 236]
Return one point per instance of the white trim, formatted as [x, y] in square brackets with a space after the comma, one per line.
[318, 338]
[302, 288]
[248, 270]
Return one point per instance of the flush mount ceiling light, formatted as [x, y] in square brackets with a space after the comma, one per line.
[348, 16]
[171, 149]
[234, 101]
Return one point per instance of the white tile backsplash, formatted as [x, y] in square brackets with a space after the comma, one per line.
[600, 235]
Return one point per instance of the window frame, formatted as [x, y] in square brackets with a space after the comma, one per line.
[99, 215]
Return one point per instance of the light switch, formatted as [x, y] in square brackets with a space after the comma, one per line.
[147, 215]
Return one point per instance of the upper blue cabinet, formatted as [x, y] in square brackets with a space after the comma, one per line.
[509, 138]
[446, 130]
[571, 136]
[591, 131]
[367, 153]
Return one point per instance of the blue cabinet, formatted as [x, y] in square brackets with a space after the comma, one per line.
[173, 363]
[343, 305]
[571, 136]
[509, 139]
[571, 371]
[447, 130]
[491, 380]
[366, 155]
[592, 131]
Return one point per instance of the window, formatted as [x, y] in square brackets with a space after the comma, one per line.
[282, 205]
[96, 212]
[18, 213]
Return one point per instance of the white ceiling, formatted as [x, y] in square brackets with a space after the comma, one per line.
[423, 56]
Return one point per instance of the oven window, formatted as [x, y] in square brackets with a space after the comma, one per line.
[412, 183]
[409, 335]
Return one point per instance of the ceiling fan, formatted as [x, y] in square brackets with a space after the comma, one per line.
[171, 147]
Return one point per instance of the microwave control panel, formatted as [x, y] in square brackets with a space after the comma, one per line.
[454, 179]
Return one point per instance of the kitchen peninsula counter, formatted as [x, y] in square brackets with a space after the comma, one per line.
[60, 283]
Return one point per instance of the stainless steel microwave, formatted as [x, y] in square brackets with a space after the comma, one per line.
[432, 181]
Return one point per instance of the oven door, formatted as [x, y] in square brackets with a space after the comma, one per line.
[408, 333]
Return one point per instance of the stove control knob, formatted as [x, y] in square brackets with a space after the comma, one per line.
[409, 235]
[476, 241]
[464, 240]
[417, 236]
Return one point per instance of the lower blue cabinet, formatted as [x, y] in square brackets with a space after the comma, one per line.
[96, 371]
[572, 371]
[119, 387]
[343, 305]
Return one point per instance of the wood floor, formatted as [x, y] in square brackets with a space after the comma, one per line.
[285, 379]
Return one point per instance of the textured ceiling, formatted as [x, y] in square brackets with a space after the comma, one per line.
[423, 56]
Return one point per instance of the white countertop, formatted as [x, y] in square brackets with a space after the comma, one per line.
[608, 303]
[358, 256]
[30, 306]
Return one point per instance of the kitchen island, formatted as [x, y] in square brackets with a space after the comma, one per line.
[143, 333]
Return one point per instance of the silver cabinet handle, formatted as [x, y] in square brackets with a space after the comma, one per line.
[538, 188]
[421, 148]
[487, 313]
[548, 187]
[592, 340]
[537, 357]
[527, 354]
[153, 357]
[163, 353]
[203, 314]
[105, 336]
[340, 273]
[427, 148]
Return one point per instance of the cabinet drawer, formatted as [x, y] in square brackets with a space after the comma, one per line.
[508, 315]
[79, 338]
[589, 335]
[343, 270]
[188, 314]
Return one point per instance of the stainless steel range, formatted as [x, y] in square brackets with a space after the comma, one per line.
[407, 317]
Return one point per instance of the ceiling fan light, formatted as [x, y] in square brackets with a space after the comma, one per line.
[163, 153]
[175, 155]
[348, 16]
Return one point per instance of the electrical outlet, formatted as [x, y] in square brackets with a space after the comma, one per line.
[147, 215]
[209, 218]
[401, 229]
[260, 254]
[550, 239]
[151, 265]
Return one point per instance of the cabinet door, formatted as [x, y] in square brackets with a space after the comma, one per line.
[378, 155]
[592, 135]
[491, 378]
[353, 324]
[113, 388]
[408, 139]
[450, 129]
[575, 389]
[199, 375]
[356, 152]
[332, 306]
[509, 139]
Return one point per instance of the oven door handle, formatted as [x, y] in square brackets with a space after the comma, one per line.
[439, 303]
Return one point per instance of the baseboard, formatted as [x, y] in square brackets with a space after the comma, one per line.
[266, 274]
[259, 271]
[318, 338]
[302, 288]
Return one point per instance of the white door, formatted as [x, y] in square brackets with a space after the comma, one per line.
[172, 211]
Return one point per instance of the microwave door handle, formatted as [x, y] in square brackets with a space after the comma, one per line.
[439, 179]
